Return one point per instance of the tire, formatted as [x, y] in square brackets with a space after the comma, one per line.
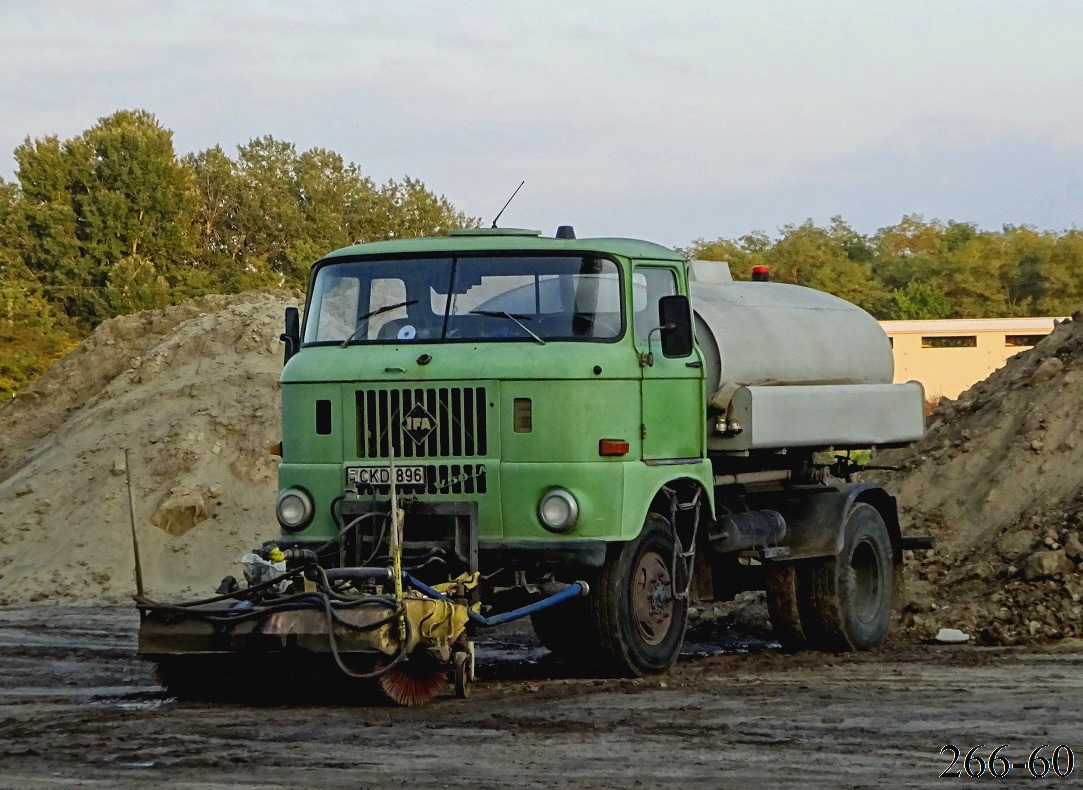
[462, 675]
[784, 603]
[850, 597]
[638, 621]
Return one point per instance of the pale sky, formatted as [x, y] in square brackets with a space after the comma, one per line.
[660, 121]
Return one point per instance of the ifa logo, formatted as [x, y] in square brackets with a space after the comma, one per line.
[418, 424]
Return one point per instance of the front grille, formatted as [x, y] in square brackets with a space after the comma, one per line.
[439, 479]
[458, 415]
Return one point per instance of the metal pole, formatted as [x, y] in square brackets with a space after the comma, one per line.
[131, 517]
[396, 540]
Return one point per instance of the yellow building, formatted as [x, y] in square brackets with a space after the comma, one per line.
[948, 356]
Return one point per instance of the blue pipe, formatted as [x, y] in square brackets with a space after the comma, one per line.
[571, 591]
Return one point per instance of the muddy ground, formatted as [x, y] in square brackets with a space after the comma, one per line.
[78, 709]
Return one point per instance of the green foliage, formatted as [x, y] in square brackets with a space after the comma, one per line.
[918, 301]
[33, 332]
[918, 269]
[111, 222]
[268, 215]
[115, 196]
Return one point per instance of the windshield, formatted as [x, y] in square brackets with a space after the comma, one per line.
[524, 298]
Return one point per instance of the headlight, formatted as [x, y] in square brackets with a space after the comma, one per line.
[294, 509]
[558, 510]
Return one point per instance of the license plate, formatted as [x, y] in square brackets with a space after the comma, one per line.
[381, 475]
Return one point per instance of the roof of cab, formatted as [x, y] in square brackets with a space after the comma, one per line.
[508, 240]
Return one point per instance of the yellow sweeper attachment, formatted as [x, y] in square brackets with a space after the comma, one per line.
[296, 618]
[408, 641]
[408, 645]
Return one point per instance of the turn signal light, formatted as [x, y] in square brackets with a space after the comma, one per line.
[275, 449]
[613, 447]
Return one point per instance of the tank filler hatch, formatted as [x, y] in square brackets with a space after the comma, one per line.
[709, 272]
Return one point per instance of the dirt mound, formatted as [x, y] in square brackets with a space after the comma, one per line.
[192, 392]
[998, 480]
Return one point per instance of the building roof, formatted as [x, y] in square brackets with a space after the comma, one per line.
[954, 326]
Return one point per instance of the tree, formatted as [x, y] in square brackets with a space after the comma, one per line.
[227, 217]
[272, 212]
[834, 259]
[1064, 292]
[918, 301]
[917, 268]
[113, 198]
[111, 222]
[407, 209]
[33, 334]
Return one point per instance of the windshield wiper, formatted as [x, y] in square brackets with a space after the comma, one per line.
[367, 316]
[510, 317]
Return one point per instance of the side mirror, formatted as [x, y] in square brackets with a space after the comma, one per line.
[292, 336]
[675, 317]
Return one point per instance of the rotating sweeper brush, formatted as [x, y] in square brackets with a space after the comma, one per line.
[373, 625]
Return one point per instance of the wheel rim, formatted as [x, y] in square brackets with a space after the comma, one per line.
[867, 582]
[652, 598]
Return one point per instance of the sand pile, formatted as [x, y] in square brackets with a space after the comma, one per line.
[192, 392]
[998, 480]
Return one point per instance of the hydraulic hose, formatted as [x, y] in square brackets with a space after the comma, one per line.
[571, 591]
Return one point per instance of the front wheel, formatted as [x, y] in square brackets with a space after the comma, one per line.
[639, 618]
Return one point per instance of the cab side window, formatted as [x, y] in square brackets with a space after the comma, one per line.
[648, 286]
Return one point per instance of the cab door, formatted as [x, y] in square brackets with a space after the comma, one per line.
[672, 413]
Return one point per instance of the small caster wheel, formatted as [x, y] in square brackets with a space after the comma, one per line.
[462, 675]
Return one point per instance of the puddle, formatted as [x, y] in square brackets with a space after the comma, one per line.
[146, 699]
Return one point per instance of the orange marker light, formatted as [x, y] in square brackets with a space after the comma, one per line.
[613, 447]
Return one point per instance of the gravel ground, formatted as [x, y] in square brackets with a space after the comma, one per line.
[79, 709]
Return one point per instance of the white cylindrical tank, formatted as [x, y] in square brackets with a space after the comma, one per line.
[757, 333]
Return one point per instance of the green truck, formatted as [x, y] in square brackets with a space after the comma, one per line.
[596, 433]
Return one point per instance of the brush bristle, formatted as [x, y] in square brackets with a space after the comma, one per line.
[413, 683]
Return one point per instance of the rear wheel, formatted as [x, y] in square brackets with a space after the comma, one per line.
[850, 597]
[784, 605]
[639, 620]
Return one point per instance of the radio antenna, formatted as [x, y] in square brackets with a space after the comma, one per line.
[513, 194]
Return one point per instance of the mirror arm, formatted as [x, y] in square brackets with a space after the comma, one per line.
[646, 359]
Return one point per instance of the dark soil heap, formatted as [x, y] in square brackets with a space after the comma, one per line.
[998, 480]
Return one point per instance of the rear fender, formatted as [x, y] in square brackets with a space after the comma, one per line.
[814, 519]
